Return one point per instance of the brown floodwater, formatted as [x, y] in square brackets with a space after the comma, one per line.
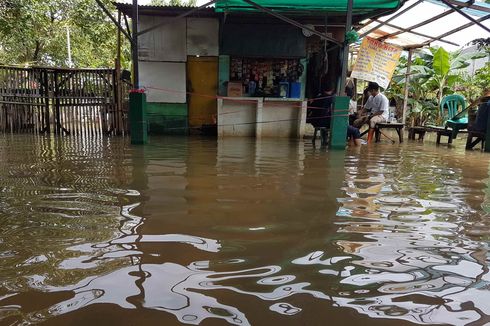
[242, 232]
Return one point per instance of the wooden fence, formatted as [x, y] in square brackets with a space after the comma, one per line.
[88, 102]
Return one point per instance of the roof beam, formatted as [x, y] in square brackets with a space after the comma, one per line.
[460, 28]
[419, 34]
[127, 24]
[345, 63]
[401, 12]
[425, 22]
[462, 13]
[104, 9]
[469, 4]
[375, 14]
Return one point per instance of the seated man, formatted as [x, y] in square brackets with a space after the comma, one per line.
[362, 116]
[352, 105]
[379, 106]
[480, 124]
[353, 136]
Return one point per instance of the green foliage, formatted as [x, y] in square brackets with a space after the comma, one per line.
[482, 77]
[472, 87]
[34, 32]
[482, 43]
[440, 62]
[434, 74]
[352, 36]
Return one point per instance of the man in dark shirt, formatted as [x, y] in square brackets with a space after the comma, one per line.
[482, 113]
[320, 109]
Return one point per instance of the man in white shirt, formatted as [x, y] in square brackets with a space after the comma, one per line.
[379, 106]
[352, 107]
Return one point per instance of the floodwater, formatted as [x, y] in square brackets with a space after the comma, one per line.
[275, 232]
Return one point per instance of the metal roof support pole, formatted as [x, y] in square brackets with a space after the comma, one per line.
[137, 101]
[470, 4]
[462, 13]
[381, 23]
[416, 33]
[116, 125]
[325, 44]
[326, 31]
[118, 54]
[345, 49]
[376, 13]
[104, 9]
[460, 28]
[134, 45]
[127, 24]
[407, 84]
[425, 22]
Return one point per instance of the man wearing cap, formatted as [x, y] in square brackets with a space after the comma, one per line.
[379, 105]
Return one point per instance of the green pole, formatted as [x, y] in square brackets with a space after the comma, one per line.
[339, 122]
[340, 112]
[137, 118]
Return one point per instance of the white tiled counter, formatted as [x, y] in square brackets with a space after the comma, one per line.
[261, 117]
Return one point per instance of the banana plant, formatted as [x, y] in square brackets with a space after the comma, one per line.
[447, 68]
[472, 86]
[420, 98]
[434, 74]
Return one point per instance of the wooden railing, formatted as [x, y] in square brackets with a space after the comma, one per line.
[89, 102]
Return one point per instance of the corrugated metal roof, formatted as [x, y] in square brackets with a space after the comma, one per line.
[127, 8]
[302, 15]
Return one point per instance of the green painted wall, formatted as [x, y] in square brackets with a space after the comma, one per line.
[137, 118]
[167, 118]
[339, 122]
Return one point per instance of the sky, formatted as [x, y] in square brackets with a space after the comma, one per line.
[428, 10]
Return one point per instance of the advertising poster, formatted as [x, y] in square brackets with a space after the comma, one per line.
[376, 61]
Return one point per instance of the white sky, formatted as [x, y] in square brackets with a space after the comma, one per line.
[425, 11]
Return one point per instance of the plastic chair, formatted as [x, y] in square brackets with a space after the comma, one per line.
[455, 120]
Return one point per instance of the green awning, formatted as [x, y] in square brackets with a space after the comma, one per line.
[311, 6]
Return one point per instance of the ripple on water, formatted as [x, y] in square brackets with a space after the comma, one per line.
[241, 232]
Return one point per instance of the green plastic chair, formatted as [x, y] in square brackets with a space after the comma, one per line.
[455, 120]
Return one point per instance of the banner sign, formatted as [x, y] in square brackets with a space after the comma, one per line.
[376, 61]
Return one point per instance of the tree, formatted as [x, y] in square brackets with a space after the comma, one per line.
[482, 43]
[472, 87]
[422, 103]
[435, 73]
[34, 33]
[446, 68]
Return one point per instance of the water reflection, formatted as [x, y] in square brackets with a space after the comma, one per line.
[415, 257]
[243, 232]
